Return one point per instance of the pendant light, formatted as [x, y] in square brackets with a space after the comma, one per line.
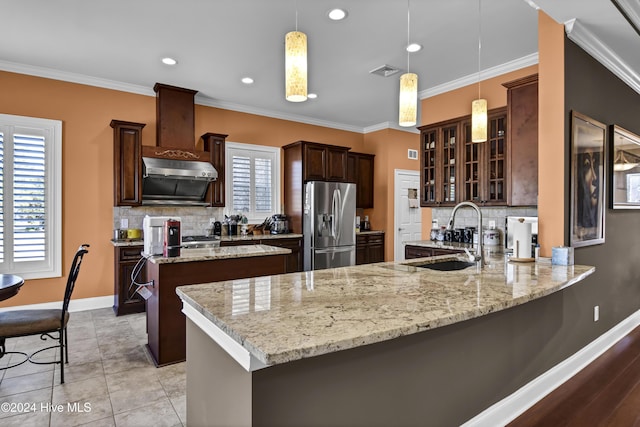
[295, 64]
[479, 106]
[408, 110]
[622, 162]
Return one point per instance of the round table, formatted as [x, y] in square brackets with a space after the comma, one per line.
[9, 285]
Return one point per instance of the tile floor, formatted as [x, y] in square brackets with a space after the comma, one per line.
[109, 381]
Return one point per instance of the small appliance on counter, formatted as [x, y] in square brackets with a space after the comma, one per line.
[279, 224]
[171, 242]
[365, 225]
[154, 234]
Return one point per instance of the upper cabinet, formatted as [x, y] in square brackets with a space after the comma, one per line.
[127, 159]
[318, 162]
[214, 143]
[360, 171]
[522, 138]
[454, 169]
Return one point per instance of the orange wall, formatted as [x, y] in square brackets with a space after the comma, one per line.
[390, 147]
[457, 103]
[87, 163]
[551, 155]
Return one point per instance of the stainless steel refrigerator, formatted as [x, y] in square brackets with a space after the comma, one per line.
[329, 225]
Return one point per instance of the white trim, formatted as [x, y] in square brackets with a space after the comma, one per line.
[517, 403]
[489, 73]
[228, 344]
[396, 175]
[82, 304]
[583, 37]
[516, 64]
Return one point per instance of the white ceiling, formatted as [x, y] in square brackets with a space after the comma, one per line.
[119, 44]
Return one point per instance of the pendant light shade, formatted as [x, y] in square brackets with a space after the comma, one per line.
[296, 66]
[408, 99]
[479, 120]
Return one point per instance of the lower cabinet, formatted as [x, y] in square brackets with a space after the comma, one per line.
[294, 259]
[369, 248]
[125, 300]
[411, 252]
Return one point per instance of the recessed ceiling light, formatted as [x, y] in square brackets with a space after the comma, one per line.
[413, 47]
[247, 80]
[312, 95]
[337, 14]
[169, 61]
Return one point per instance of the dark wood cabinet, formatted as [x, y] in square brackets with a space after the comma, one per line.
[360, 172]
[453, 169]
[127, 156]
[309, 161]
[369, 248]
[294, 259]
[522, 140]
[214, 143]
[484, 165]
[411, 251]
[125, 300]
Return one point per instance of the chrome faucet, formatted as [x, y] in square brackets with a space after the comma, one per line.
[478, 256]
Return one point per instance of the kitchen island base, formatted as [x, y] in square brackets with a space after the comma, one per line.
[443, 376]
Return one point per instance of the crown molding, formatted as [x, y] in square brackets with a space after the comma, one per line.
[488, 73]
[389, 125]
[583, 37]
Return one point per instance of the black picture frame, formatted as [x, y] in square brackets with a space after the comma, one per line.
[588, 173]
[624, 153]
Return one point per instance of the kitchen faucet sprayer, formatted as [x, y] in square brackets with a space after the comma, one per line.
[479, 254]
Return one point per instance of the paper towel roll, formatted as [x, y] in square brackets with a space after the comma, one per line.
[522, 239]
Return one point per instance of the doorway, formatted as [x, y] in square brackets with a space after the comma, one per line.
[407, 220]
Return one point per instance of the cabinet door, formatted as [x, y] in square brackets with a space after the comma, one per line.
[294, 259]
[127, 155]
[352, 168]
[125, 299]
[314, 162]
[411, 252]
[448, 166]
[362, 253]
[376, 248]
[364, 181]
[427, 154]
[215, 144]
[471, 163]
[496, 190]
[336, 163]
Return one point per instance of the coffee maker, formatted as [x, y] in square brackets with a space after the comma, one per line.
[171, 242]
[279, 224]
[153, 233]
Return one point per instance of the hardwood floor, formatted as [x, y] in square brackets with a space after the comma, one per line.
[605, 393]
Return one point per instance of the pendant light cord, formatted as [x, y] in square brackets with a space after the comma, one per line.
[479, 42]
[408, 31]
[296, 15]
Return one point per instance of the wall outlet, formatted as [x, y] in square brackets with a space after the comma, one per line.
[492, 224]
[124, 222]
[596, 313]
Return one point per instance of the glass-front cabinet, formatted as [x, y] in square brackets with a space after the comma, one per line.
[454, 169]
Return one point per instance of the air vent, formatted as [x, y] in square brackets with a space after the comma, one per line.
[385, 70]
[413, 154]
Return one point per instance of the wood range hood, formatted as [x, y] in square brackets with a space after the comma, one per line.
[175, 117]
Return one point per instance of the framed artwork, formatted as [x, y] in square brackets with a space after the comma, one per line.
[625, 169]
[588, 141]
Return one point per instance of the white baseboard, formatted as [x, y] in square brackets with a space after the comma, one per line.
[517, 403]
[74, 305]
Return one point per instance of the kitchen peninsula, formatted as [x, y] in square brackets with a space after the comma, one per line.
[381, 344]
[165, 321]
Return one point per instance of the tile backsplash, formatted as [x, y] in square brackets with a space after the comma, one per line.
[467, 217]
[194, 220]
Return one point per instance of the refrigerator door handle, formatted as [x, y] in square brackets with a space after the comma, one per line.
[334, 214]
[335, 249]
[339, 214]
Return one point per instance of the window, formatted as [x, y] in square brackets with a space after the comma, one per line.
[253, 180]
[30, 196]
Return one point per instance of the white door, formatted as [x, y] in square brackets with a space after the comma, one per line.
[407, 220]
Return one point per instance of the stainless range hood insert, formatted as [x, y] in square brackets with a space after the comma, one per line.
[176, 182]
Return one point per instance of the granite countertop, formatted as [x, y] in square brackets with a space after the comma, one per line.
[225, 252]
[313, 313]
[370, 232]
[140, 242]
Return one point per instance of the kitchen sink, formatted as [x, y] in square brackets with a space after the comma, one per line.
[448, 265]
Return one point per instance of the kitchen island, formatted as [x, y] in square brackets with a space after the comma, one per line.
[165, 322]
[379, 344]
